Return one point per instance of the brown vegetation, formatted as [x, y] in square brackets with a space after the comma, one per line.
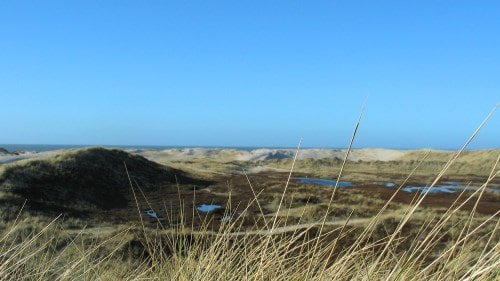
[368, 231]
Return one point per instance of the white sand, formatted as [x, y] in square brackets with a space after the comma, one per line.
[368, 154]
[28, 155]
[227, 155]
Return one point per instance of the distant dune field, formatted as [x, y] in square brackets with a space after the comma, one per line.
[363, 164]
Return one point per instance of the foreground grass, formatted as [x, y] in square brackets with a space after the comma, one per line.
[440, 245]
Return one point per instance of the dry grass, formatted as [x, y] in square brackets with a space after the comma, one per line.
[417, 245]
[405, 244]
[80, 182]
[469, 165]
[363, 166]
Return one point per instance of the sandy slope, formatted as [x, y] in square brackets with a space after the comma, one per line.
[364, 154]
[229, 155]
[371, 154]
[7, 158]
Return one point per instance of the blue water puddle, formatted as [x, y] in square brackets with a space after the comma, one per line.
[208, 207]
[151, 213]
[324, 182]
[435, 189]
[452, 188]
[473, 188]
[446, 187]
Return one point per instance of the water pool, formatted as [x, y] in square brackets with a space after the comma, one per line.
[208, 207]
[324, 182]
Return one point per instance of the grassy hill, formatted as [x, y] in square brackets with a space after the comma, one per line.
[80, 182]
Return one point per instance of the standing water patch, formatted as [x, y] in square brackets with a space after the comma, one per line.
[325, 182]
[208, 207]
[449, 187]
[151, 213]
[426, 189]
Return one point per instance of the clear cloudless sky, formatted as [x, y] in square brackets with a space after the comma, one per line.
[250, 73]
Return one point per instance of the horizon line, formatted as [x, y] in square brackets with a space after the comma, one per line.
[242, 147]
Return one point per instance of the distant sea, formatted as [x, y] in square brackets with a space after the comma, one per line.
[48, 147]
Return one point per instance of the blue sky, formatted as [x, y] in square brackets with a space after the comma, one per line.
[249, 73]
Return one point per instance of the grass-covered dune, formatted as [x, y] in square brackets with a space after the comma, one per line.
[81, 181]
[369, 164]
[470, 166]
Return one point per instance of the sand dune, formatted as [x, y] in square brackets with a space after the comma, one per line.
[376, 154]
[82, 181]
[8, 158]
[263, 154]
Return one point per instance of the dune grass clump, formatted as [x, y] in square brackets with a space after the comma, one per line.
[79, 182]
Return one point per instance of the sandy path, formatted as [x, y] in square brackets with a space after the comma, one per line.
[290, 228]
